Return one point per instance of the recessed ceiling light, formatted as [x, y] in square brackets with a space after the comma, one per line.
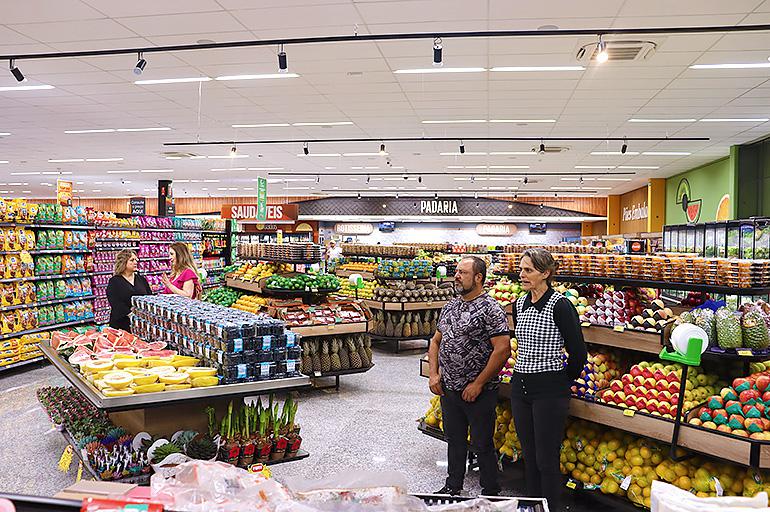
[640, 120]
[334, 123]
[47, 184]
[455, 121]
[214, 181]
[509, 167]
[223, 157]
[750, 65]
[522, 120]
[248, 188]
[296, 188]
[26, 191]
[96, 190]
[537, 68]
[97, 130]
[263, 125]
[202, 188]
[116, 159]
[151, 129]
[26, 88]
[665, 153]
[735, 120]
[638, 167]
[608, 153]
[123, 172]
[4, 161]
[418, 71]
[264, 76]
[4, 134]
[613, 179]
[56, 172]
[595, 166]
[265, 169]
[321, 154]
[173, 80]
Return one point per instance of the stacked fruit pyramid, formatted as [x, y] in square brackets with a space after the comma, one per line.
[601, 367]
[507, 372]
[506, 441]
[653, 388]
[624, 465]
[324, 354]
[742, 409]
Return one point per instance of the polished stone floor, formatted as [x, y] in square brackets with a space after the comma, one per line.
[369, 424]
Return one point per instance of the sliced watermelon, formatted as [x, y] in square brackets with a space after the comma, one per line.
[693, 210]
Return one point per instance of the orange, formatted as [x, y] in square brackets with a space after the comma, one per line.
[723, 210]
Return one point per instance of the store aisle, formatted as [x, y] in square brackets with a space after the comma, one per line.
[369, 424]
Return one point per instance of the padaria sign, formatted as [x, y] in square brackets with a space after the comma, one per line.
[439, 207]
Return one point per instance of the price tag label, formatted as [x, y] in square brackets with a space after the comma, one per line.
[571, 484]
[585, 324]
[317, 374]
[429, 303]
[745, 352]
[626, 483]
[330, 327]
[718, 487]
[629, 412]
[619, 328]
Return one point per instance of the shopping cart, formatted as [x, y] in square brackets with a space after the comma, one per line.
[525, 504]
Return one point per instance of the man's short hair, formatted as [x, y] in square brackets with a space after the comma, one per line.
[479, 267]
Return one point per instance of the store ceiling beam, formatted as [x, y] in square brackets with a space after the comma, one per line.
[391, 37]
[478, 172]
[431, 139]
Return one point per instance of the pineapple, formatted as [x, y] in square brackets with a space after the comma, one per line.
[398, 331]
[755, 333]
[344, 354]
[355, 358]
[335, 355]
[407, 329]
[307, 360]
[362, 351]
[316, 356]
[368, 347]
[389, 327]
[326, 360]
[415, 325]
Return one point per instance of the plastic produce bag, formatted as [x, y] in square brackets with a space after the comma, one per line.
[381, 489]
[668, 498]
[203, 486]
[728, 327]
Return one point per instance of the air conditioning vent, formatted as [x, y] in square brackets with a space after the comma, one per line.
[550, 149]
[618, 51]
[177, 154]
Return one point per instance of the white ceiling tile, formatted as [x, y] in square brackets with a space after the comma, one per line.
[187, 23]
[120, 8]
[282, 17]
[38, 11]
[76, 30]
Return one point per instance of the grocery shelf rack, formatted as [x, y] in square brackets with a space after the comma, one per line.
[404, 306]
[44, 328]
[396, 341]
[336, 375]
[19, 364]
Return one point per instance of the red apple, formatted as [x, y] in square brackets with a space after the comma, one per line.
[671, 377]
[762, 383]
[662, 385]
[766, 396]
[616, 385]
[647, 373]
[748, 395]
[673, 388]
[626, 378]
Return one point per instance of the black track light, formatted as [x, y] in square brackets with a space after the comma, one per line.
[541, 205]
[305, 149]
[368, 179]
[16, 72]
[515, 196]
[140, 65]
[318, 179]
[283, 63]
[526, 180]
[396, 195]
[414, 204]
[437, 53]
[359, 196]
[419, 179]
[473, 179]
[462, 148]
[233, 152]
[382, 148]
[541, 150]
[435, 196]
[581, 180]
[624, 147]
[601, 51]
[477, 204]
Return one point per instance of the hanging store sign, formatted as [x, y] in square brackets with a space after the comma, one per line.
[496, 229]
[64, 192]
[350, 228]
[137, 206]
[438, 207]
[273, 212]
[261, 199]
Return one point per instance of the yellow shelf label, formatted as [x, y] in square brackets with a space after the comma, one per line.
[585, 324]
[744, 352]
[619, 328]
[571, 484]
[330, 327]
[629, 412]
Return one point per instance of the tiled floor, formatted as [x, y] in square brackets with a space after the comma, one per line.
[369, 424]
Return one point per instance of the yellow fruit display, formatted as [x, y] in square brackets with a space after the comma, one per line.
[117, 392]
[97, 365]
[174, 378]
[149, 378]
[177, 387]
[347, 290]
[204, 382]
[129, 363]
[150, 388]
[199, 371]
[252, 272]
[118, 379]
[250, 303]
[506, 441]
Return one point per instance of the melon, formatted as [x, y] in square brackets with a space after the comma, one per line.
[693, 210]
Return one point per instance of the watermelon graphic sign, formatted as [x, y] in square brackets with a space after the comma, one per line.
[691, 207]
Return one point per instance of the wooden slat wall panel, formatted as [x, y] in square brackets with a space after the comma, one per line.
[592, 205]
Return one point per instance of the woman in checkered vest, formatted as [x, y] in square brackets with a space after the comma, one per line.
[545, 326]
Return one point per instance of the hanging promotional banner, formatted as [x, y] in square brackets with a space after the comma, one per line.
[273, 212]
[261, 199]
[64, 192]
[137, 206]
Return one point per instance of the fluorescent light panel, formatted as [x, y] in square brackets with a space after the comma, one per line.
[666, 153]
[735, 120]
[750, 65]
[522, 120]
[26, 88]
[333, 123]
[420, 71]
[263, 125]
[608, 153]
[536, 68]
[264, 76]
[638, 167]
[173, 80]
[640, 120]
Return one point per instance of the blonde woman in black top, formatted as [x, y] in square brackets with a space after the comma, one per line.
[122, 286]
[545, 325]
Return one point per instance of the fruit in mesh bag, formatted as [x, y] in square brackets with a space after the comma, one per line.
[755, 333]
[728, 327]
[704, 318]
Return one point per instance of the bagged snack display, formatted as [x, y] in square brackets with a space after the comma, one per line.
[68, 240]
[10, 239]
[30, 240]
[12, 266]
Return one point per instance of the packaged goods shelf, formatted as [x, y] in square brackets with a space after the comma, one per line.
[163, 398]
[44, 328]
[102, 249]
[45, 278]
[330, 329]
[49, 251]
[166, 230]
[44, 226]
[45, 303]
[19, 364]
[281, 260]
[386, 257]
[404, 306]
[664, 285]
[135, 240]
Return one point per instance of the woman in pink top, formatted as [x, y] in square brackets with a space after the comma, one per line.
[184, 276]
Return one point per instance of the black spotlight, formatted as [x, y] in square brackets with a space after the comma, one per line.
[16, 72]
[435, 196]
[419, 179]
[462, 147]
[233, 152]
[541, 150]
[624, 147]
[526, 180]
[437, 52]
[359, 196]
[382, 149]
[305, 149]
[283, 63]
[140, 65]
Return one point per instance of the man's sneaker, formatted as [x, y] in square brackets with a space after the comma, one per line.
[449, 491]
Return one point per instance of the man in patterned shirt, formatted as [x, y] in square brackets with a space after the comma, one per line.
[470, 347]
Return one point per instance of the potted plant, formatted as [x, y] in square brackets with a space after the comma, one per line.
[230, 448]
[248, 445]
[280, 441]
[292, 429]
